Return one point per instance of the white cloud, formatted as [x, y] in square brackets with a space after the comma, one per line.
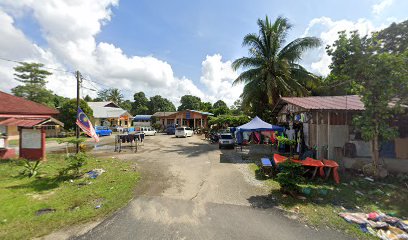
[327, 30]
[217, 76]
[379, 7]
[69, 29]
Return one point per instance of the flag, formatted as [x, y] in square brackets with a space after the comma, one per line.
[86, 125]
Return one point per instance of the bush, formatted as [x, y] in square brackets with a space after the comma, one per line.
[290, 176]
[30, 168]
[75, 162]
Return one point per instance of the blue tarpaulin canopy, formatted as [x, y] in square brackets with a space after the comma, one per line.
[142, 118]
[258, 124]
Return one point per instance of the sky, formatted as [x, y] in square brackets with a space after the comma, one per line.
[170, 48]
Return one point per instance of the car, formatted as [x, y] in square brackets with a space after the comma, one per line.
[226, 140]
[148, 131]
[184, 132]
[171, 130]
[102, 131]
[117, 128]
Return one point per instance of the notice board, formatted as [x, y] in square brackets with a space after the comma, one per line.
[31, 138]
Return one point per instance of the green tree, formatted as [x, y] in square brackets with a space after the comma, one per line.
[68, 112]
[272, 69]
[87, 98]
[111, 94]
[378, 77]
[394, 39]
[140, 104]
[160, 104]
[189, 102]
[206, 107]
[219, 104]
[127, 105]
[33, 78]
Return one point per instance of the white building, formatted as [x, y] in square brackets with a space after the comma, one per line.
[110, 114]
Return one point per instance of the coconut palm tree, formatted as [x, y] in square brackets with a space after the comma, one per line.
[115, 96]
[272, 69]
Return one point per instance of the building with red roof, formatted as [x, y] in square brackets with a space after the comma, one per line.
[17, 113]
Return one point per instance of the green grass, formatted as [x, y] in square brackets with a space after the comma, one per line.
[322, 210]
[74, 203]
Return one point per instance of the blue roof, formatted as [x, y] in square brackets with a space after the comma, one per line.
[258, 124]
[142, 117]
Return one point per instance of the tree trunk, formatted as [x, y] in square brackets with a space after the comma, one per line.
[376, 156]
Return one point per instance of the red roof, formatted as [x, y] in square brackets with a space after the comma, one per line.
[22, 122]
[10, 104]
[351, 102]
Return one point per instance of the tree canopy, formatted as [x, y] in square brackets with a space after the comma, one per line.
[378, 75]
[189, 102]
[160, 104]
[68, 112]
[33, 78]
[272, 69]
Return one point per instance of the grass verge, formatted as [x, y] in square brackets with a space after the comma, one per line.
[74, 201]
[326, 200]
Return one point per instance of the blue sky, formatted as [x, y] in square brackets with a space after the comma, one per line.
[154, 46]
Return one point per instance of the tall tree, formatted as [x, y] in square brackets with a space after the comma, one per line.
[111, 94]
[272, 69]
[160, 104]
[379, 77]
[189, 102]
[140, 104]
[68, 112]
[33, 78]
[127, 105]
[219, 104]
[206, 107]
[87, 98]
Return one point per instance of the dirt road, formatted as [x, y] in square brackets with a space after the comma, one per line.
[192, 190]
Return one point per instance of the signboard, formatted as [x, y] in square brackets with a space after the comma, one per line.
[31, 138]
[188, 116]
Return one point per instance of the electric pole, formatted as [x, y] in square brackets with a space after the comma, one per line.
[78, 78]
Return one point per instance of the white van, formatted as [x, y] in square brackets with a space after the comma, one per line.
[184, 132]
[148, 131]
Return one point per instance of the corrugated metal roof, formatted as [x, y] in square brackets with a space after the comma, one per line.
[162, 114]
[351, 102]
[204, 113]
[100, 111]
[22, 122]
[10, 104]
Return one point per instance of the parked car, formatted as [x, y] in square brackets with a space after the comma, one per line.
[184, 132]
[226, 140]
[171, 130]
[103, 131]
[148, 131]
[117, 128]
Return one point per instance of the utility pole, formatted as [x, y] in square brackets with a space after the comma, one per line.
[78, 78]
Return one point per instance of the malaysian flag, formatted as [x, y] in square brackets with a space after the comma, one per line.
[86, 125]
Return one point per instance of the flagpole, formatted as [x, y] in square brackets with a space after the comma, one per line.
[78, 76]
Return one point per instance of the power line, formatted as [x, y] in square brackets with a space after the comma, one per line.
[21, 62]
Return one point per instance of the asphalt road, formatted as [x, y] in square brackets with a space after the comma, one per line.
[191, 190]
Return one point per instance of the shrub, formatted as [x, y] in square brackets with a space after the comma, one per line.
[75, 162]
[290, 176]
[30, 168]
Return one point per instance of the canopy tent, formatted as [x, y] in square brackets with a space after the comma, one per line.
[258, 124]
